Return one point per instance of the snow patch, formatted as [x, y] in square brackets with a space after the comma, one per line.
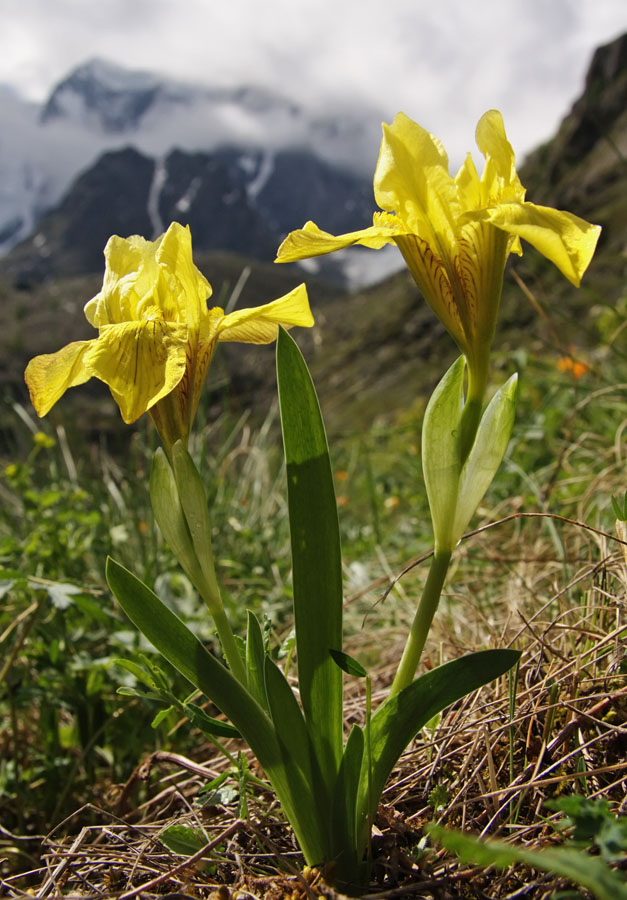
[265, 170]
[44, 148]
[183, 204]
[158, 181]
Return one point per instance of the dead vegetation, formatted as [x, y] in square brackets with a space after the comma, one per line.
[556, 726]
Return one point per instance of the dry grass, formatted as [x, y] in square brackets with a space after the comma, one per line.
[487, 766]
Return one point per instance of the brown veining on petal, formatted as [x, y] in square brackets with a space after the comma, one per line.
[468, 277]
[431, 276]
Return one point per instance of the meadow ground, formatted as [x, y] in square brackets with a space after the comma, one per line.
[94, 802]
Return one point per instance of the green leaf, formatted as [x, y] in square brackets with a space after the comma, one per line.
[486, 454]
[348, 664]
[182, 840]
[186, 653]
[207, 724]
[301, 771]
[289, 723]
[589, 871]
[316, 557]
[402, 715]
[161, 715]
[593, 822]
[136, 692]
[441, 452]
[348, 865]
[136, 670]
[207, 793]
[157, 673]
[172, 523]
[255, 661]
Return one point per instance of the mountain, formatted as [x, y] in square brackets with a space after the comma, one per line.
[242, 201]
[259, 160]
[375, 352]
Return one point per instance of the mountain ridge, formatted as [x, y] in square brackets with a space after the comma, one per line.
[101, 108]
[376, 352]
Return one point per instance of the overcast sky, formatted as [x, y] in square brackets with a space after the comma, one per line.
[443, 63]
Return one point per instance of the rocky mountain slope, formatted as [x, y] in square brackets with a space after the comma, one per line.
[116, 151]
[242, 201]
[584, 167]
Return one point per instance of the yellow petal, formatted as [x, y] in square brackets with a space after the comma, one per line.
[500, 181]
[140, 361]
[468, 185]
[49, 376]
[260, 324]
[147, 277]
[568, 241]
[130, 273]
[311, 241]
[412, 179]
[185, 281]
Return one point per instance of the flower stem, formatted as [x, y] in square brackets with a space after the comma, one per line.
[213, 600]
[473, 406]
[422, 621]
[229, 646]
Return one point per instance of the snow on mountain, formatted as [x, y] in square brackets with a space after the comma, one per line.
[36, 164]
[103, 107]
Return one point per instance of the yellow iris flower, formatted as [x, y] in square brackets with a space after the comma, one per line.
[455, 233]
[156, 334]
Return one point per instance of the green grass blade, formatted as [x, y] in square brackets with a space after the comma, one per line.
[316, 556]
[591, 872]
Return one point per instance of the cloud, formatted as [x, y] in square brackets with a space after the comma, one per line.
[443, 63]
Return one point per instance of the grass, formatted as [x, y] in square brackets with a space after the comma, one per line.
[87, 786]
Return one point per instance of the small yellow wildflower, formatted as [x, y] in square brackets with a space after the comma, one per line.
[41, 439]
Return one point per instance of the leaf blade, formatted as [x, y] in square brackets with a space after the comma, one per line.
[589, 871]
[183, 649]
[402, 715]
[316, 555]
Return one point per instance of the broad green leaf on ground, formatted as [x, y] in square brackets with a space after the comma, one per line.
[590, 872]
[182, 840]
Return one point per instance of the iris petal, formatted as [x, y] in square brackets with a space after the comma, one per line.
[311, 241]
[49, 376]
[260, 324]
[186, 282]
[500, 181]
[140, 361]
[568, 241]
[412, 179]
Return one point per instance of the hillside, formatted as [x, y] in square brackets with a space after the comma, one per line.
[370, 350]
